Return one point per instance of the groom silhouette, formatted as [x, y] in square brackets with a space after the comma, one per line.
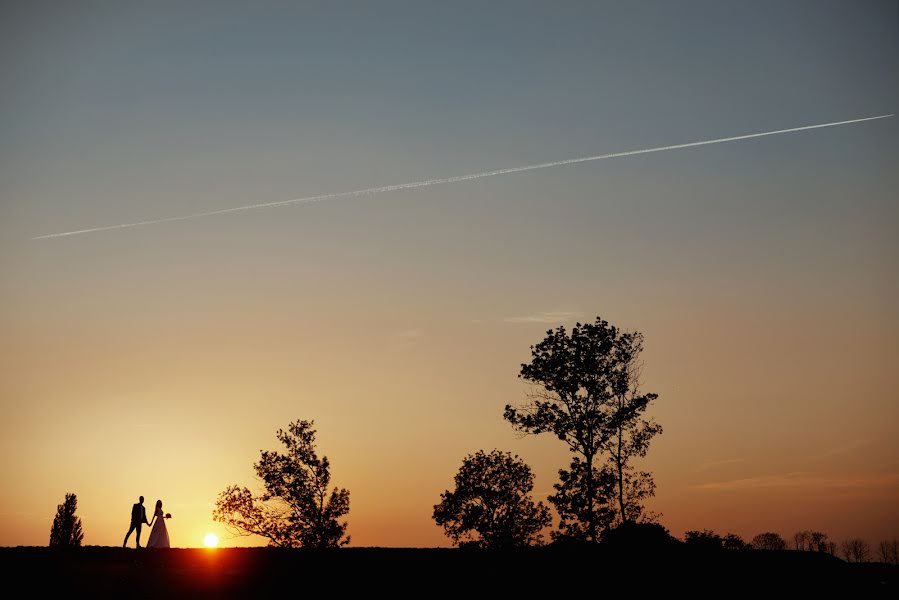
[138, 517]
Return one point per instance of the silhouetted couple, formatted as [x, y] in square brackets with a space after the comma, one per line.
[159, 534]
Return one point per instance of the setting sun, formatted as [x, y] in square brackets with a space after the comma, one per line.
[211, 540]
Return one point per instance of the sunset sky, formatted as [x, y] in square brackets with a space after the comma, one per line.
[159, 360]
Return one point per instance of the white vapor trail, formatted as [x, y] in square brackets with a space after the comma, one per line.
[456, 179]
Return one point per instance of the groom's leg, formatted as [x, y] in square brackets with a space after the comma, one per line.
[138, 536]
[128, 535]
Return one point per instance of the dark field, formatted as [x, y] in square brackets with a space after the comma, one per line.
[549, 572]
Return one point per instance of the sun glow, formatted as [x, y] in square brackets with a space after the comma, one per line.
[211, 540]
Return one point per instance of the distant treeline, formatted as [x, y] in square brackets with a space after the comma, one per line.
[854, 550]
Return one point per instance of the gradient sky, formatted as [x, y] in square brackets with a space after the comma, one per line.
[160, 360]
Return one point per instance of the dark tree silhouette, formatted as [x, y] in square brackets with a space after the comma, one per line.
[818, 542]
[296, 508]
[571, 502]
[813, 541]
[889, 551]
[856, 550]
[768, 541]
[704, 540]
[491, 506]
[639, 539]
[632, 433]
[709, 540]
[66, 530]
[732, 541]
[587, 395]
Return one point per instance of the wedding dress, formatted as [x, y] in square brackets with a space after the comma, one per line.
[159, 536]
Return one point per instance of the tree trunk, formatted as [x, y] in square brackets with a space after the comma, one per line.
[319, 518]
[619, 463]
[591, 515]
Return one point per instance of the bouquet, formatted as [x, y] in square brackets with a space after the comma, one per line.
[168, 515]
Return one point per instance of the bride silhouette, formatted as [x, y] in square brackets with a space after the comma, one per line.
[159, 535]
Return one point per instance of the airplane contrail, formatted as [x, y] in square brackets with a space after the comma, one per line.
[455, 179]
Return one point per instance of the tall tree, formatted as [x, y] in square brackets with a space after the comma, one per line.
[491, 506]
[632, 432]
[297, 508]
[66, 530]
[587, 394]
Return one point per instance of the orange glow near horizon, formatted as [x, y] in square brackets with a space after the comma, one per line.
[396, 454]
